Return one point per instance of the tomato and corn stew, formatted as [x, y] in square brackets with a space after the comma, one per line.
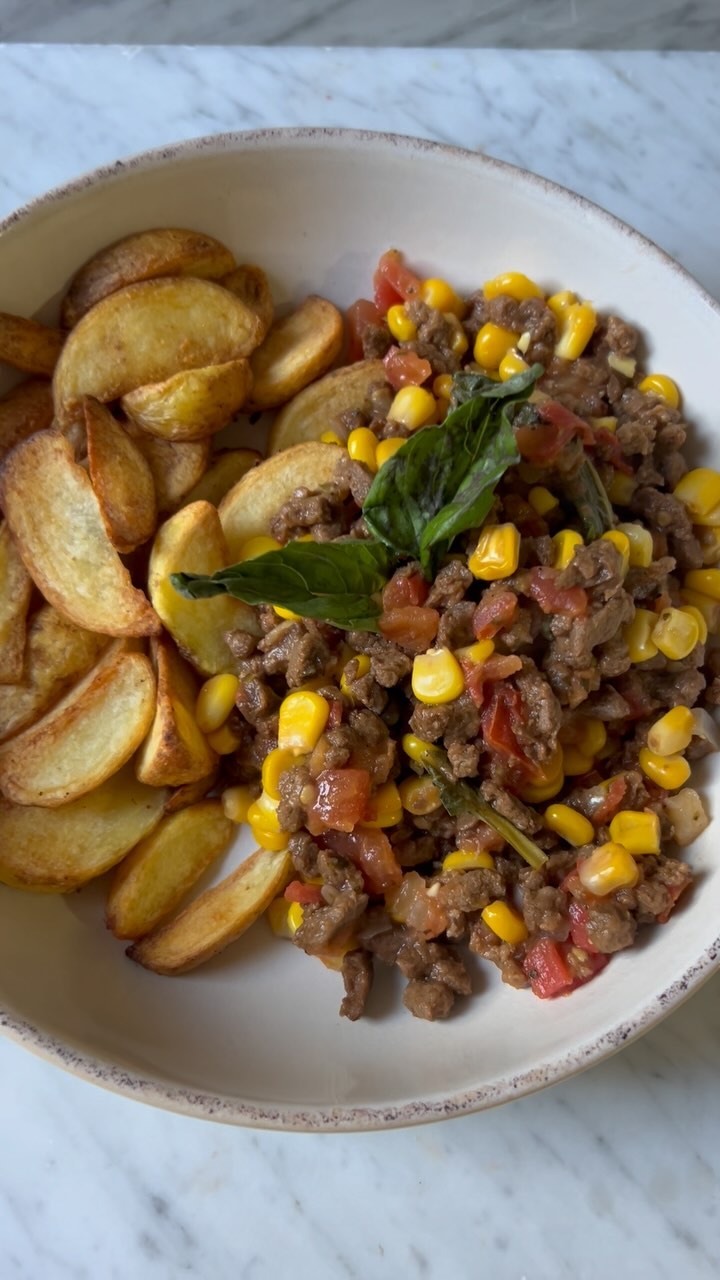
[485, 652]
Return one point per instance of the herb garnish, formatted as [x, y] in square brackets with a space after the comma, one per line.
[588, 495]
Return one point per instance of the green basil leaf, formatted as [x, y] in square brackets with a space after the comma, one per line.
[588, 495]
[333, 582]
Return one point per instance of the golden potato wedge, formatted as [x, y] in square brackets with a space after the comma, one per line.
[217, 917]
[251, 504]
[192, 541]
[58, 850]
[57, 653]
[251, 285]
[54, 516]
[193, 404]
[316, 408]
[176, 466]
[191, 792]
[29, 345]
[226, 468]
[147, 332]
[175, 751]
[297, 350]
[121, 478]
[165, 251]
[86, 737]
[15, 592]
[25, 409]
[150, 883]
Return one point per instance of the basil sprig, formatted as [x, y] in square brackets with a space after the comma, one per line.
[333, 582]
[441, 482]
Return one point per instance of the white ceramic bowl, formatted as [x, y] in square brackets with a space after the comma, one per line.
[254, 1037]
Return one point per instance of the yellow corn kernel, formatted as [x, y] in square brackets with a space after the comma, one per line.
[362, 667]
[466, 860]
[443, 385]
[621, 489]
[608, 868]
[287, 615]
[215, 701]
[542, 500]
[707, 581]
[709, 539]
[459, 339]
[576, 762]
[362, 447]
[514, 284]
[415, 747]
[640, 543]
[387, 448]
[400, 325]
[669, 772]
[578, 326]
[626, 365]
[638, 636]
[591, 735]
[621, 543]
[441, 295]
[236, 801]
[710, 609]
[559, 303]
[224, 740]
[512, 363]
[478, 652]
[675, 633]
[332, 437]
[672, 732]
[658, 384]
[275, 764]
[699, 492]
[437, 677]
[492, 343]
[568, 823]
[413, 406]
[263, 812]
[275, 841]
[295, 916]
[303, 716]
[285, 917]
[497, 553]
[505, 922]
[699, 618]
[566, 541]
[386, 807]
[639, 833]
[538, 792]
[419, 796]
[604, 424]
[257, 547]
[443, 408]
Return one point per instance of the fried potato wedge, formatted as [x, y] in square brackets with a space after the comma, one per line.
[55, 518]
[191, 792]
[57, 653]
[297, 350]
[15, 592]
[29, 345]
[86, 737]
[316, 408]
[193, 404]
[192, 541]
[217, 917]
[121, 478]
[162, 869]
[251, 285]
[176, 466]
[58, 850]
[175, 751]
[251, 504]
[146, 333]
[224, 471]
[25, 409]
[165, 251]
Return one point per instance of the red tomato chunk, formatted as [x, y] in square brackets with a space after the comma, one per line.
[404, 589]
[543, 589]
[393, 282]
[341, 800]
[305, 894]
[361, 314]
[414, 627]
[495, 611]
[371, 851]
[406, 368]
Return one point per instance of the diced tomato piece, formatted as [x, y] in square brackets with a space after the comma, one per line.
[404, 589]
[579, 916]
[412, 905]
[542, 444]
[610, 805]
[413, 627]
[371, 851]
[497, 722]
[393, 282]
[361, 314]
[547, 969]
[305, 894]
[675, 892]
[495, 611]
[406, 368]
[335, 713]
[497, 667]
[556, 413]
[543, 589]
[341, 800]
[571, 884]
[612, 450]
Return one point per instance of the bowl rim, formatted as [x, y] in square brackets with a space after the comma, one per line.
[349, 1118]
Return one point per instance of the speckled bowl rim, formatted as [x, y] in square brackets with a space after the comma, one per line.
[343, 1119]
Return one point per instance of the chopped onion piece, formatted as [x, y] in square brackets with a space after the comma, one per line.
[705, 727]
[687, 815]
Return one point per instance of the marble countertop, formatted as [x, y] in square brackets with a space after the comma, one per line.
[616, 1172]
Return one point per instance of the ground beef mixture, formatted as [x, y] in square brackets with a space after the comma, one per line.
[562, 682]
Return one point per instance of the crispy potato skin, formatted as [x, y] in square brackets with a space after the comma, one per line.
[175, 752]
[193, 404]
[29, 345]
[297, 349]
[314, 409]
[24, 409]
[247, 509]
[121, 478]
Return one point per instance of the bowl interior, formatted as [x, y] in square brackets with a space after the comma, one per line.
[255, 1034]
